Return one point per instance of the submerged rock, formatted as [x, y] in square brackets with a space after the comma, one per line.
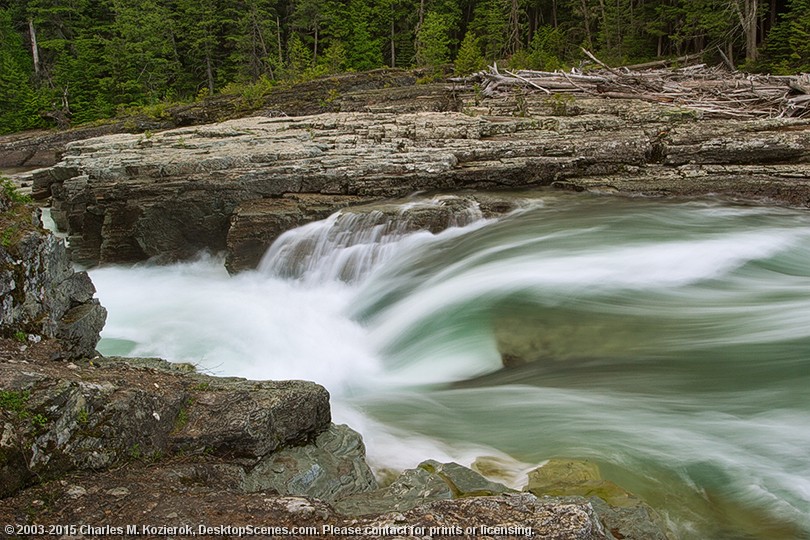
[624, 515]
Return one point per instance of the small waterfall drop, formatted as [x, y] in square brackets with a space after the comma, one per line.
[349, 244]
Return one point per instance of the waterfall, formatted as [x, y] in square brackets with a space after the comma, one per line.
[349, 244]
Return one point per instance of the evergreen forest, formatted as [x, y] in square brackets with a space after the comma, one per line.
[73, 61]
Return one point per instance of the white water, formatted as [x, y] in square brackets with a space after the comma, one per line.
[673, 338]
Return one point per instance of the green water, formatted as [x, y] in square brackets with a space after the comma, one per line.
[667, 341]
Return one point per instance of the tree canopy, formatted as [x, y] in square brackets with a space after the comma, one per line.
[79, 60]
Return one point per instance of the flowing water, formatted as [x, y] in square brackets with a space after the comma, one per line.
[667, 341]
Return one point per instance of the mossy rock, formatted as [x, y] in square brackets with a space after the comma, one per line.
[563, 478]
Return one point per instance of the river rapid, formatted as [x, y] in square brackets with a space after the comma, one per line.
[667, 341]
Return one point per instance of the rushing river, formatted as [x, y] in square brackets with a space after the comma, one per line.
[667, 341]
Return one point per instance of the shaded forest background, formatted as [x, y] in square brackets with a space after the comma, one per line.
[74, 61]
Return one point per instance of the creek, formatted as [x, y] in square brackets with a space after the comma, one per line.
[667, 341]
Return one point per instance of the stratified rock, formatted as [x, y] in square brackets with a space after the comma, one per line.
[430, 481]
[130, 197]
[170, 194]
[41, 296]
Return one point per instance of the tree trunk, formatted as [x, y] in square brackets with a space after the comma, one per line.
[210, 73]
[587, 22]
[747, 15]
[315, 53]
[514, 27]
[393, 49]
[608, 41]
[34, 48]
[278, 35]
[554, 13]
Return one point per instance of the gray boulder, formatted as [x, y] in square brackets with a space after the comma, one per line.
[41, 296]
[430, 481]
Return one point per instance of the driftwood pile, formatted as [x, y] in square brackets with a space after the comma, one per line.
[715, 91]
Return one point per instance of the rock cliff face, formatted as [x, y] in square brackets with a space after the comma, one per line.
[127, 197]
[41, 296]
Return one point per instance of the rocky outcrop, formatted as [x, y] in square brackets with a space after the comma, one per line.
[170, 194]
[275, 435]
[41, 296]
[372, 91]
[156, 496]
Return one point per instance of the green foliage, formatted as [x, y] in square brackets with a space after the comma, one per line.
[469, 59]
[39, 421]
[490, 25]
[12, 401]
[333, 60]
[364, 49]
[7, 237]
[102, 56]
[20, 336]
[12, 193]
[433, 41]
[252, 94]
[788, 47]
[547, 49]
[299, 57]
[20, 102]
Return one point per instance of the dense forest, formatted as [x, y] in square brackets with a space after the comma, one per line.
[73, 61]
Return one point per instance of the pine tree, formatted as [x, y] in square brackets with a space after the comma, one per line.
[364, 49]
[141, 52]
[19, 102]
[433, 41]
[469, 59]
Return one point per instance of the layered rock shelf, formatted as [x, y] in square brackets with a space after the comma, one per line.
[130, 197]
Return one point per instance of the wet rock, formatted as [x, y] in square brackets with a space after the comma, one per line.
[623, 514]
[158, 496]
[430, 481]
[502, 516]
[255, 225]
